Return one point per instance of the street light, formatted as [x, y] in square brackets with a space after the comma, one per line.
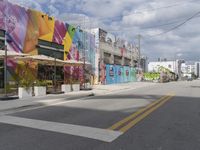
[6, 97]
[84, 69]
[54, 72]
[5, 71]
[5, 66]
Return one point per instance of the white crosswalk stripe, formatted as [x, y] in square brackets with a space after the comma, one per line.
[77, 130]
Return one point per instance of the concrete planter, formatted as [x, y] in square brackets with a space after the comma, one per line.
[40, 90]
[66, 88]
[24, 92]
[88, 85]
[76, 87]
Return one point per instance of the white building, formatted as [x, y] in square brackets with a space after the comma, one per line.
[154, 66]
[187, 70]
[171, 65]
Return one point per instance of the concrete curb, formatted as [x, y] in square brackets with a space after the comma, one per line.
[38, 102]
[42, 103]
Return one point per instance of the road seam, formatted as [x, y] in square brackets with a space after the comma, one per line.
[144, 115]
[128, 121]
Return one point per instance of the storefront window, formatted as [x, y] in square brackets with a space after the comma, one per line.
[46, 72]
[50, 49]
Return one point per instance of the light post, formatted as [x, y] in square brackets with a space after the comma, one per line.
[139, 50]
[55, 73]
[5, 67]
[5, 72]
[175, 63]
[6, 97]
[84, 69]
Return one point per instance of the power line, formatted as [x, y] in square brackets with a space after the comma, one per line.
[140, 12]
[144, 10]
[175, 27]
[149, 27]
[168, 6]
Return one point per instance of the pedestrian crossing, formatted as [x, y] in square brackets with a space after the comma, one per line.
[104, 135]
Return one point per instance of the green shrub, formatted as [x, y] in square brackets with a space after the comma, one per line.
[26, 83]
[40, 83]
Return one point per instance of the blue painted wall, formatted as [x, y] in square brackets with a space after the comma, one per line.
[119, 74]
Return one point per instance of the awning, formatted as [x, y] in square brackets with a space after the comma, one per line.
[73, 63]
[47, 60]
[43, 59]
[11, 54]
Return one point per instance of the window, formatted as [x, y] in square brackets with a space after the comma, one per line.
[50, 49]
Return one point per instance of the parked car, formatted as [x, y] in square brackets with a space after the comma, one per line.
[189, 79]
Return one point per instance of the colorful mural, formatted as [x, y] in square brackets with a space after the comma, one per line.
[121, 48]
[121, 45]
[24, 27]
[119, 74]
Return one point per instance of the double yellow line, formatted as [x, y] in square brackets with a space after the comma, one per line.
[130, 121]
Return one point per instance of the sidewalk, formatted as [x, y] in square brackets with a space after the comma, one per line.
[53, 99]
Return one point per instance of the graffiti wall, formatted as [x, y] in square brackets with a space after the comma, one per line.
[25, 26]
[119, 74]
[120, 45]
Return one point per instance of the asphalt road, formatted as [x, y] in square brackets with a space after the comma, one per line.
[161, 117]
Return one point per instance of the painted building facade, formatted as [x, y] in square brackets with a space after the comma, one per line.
[116, 59]
[111, 59]
[27, 28]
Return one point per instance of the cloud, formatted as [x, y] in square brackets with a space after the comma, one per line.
[127, 18]
[28, 4]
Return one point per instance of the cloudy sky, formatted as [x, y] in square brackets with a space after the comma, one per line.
[169, 28]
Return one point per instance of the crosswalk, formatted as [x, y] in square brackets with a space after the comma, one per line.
[104, 135]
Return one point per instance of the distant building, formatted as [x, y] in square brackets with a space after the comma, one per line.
[173, 66]
[144, 64]
[187, 69]
[154, 66]
[197, 69]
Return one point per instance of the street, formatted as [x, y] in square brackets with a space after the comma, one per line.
[159, 117]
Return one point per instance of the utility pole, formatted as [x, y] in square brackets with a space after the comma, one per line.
[55, 73]
[139, 52]
[84, 55]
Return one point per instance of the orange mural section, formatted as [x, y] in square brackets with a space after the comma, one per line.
[32, 33]
[46, 27]
[67, 42]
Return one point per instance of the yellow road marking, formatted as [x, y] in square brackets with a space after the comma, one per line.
[138, 119]
[125, 120]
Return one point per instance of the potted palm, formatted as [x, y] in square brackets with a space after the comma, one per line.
[40, 88]
[25, 88]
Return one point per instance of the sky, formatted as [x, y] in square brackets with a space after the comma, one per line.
[169, 28]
